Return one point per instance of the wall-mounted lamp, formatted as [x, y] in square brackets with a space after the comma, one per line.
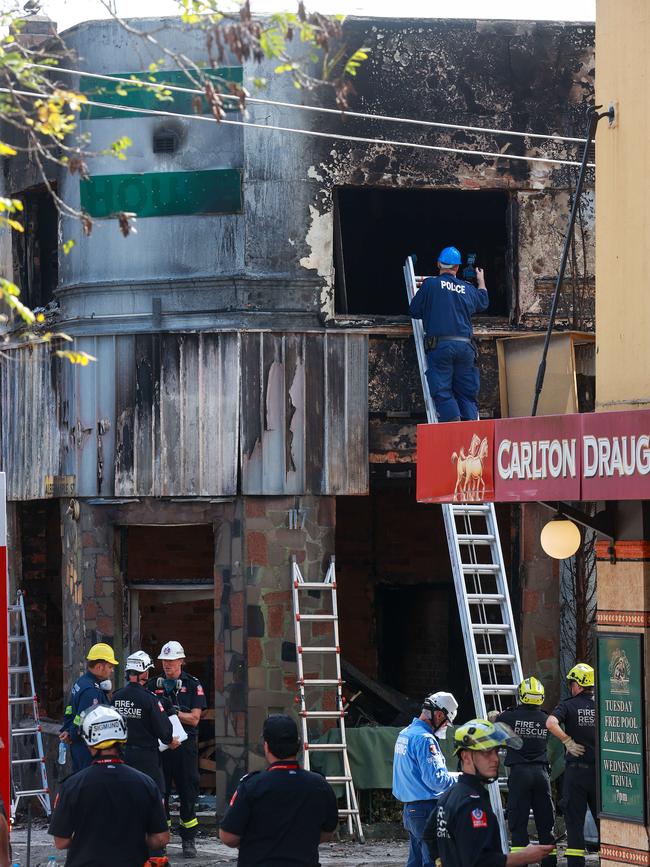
[560, 538]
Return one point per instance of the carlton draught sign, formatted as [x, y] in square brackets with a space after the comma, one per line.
[591, 456]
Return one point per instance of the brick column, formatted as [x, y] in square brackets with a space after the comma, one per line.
[624, 606]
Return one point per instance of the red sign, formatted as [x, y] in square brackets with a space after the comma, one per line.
[458, 460]
[616, 455]
[540, 462]
[590, 456]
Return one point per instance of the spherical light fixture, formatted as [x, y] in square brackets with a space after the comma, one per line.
[560, 538]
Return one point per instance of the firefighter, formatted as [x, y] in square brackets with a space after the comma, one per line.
[420, 773]
[578, 716]
[466, 828]
[278, 817]
[146, 720]
[184, 695]
[108, 813]
[446, 304]
[529, 783]
[91, 689]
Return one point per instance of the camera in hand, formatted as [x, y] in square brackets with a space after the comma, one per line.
[469, 271]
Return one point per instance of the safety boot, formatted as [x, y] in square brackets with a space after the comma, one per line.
[189, 849]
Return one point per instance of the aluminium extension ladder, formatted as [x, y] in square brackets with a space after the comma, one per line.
[332, 650]
[26, 740]
[480, 581]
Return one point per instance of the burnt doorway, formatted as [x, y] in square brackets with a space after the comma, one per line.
[169, 582]
[376, 229]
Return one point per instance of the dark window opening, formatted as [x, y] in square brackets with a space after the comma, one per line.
[40, 548]
[166, 141]
[376, 229]
[36, 250]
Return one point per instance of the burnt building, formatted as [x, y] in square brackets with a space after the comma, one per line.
[256, 391]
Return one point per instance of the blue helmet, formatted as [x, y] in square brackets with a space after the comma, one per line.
[450, 256]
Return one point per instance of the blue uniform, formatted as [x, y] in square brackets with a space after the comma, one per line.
[86, 693]
[420, 776]
[445, 304]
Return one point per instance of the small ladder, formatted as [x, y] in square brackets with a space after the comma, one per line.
[480, 581]
[26, 740]
[298, 584]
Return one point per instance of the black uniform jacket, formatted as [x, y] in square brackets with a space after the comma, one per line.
[529, 722]
[279, 815]
[467, 830]
[108, 809]
[579, 717]
[145, 717]
[188, 696]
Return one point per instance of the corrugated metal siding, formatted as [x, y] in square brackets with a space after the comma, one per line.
[159, 415]
[30, 432]
[178, 416]
[304, 414]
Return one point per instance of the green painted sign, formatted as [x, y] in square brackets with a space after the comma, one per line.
[621, 731]
[140, 96]
[163, 194]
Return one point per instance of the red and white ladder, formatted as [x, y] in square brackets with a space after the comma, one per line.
[304, 684]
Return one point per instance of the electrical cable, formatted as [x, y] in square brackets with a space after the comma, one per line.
[313, 108]
[305, 132]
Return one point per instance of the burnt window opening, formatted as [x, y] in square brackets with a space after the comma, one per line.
[166, 141]
[376, 229]
[36, 250]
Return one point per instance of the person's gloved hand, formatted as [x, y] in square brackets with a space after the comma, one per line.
[573, 748]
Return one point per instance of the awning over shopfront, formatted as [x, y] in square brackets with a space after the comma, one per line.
[581, 456]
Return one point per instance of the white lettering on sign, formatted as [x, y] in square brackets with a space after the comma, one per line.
[537, 459]
[453, 287]
[609, 456]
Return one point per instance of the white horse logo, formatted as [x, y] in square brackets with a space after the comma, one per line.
[470, 484]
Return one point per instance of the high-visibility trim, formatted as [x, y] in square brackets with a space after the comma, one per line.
[77, 720]
[577, 853]
[191, 824]
[68, 709]
[517, 848]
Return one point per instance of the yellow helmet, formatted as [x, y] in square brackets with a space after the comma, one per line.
[531, 691]
[583, 674]
[480, 735]
[102, 653]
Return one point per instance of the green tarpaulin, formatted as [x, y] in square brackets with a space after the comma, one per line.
[370, 750]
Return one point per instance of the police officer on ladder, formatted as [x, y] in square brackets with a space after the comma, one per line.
[108, 813]
[529, 784]
[420, 773]
[466, 828]
[91, 689]
[146, 720]
[446, 304]
[185, 696]
[578, 715]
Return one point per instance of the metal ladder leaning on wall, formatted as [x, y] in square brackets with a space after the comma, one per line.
[480, 581]
[351, 811]
[26, 740]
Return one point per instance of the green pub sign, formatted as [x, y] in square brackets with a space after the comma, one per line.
[621, 731]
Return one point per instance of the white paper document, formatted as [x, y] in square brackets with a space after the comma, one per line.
[178, 732]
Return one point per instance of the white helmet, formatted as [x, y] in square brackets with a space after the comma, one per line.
[139, 662]
[443, 701]
[172, 650]
[102, 727]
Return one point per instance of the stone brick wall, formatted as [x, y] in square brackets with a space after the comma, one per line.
[269, 544]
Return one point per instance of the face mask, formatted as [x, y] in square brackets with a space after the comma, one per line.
[441, 734]
[170, 684]
[106, 685]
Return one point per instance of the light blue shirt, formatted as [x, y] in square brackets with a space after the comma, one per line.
[419, 769]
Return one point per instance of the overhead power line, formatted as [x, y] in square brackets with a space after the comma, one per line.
[310, 133]
[315, 108]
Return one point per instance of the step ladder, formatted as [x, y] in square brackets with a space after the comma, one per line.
[334, 684]
[28, 772]
[480, 581]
